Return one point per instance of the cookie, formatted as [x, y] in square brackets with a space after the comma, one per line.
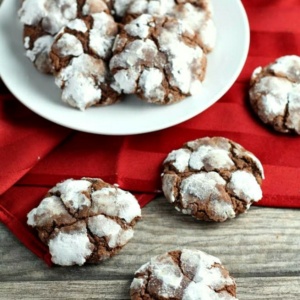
[80, 55]
[275, 94]
[85, 221]
[212, 179]
[43, 19]
[183, 275]
[147, 60]
[196, 14]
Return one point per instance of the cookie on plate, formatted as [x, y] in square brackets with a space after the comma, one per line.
[79, 55]
[183, 275]
[85, 221]
[43, 19]
[196, 14]
[275, 94]
[148, 60]
[212, 179]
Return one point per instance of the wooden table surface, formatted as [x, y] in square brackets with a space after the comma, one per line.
[261, 249]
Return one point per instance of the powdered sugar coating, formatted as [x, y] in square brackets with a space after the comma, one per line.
[73, 194]
[102, 34]
[274, 94]
[67, 219]
[71, 248]
[186, 274]
[198, 16]
[39, 52]
[43, 19]
[115, 202]
[212, 179]
[84, 77]
[149, 50]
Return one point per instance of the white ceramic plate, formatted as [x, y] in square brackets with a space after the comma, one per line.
[39, 93]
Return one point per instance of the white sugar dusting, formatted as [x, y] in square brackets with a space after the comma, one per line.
[115, 202]
[71, 248]
[50, 207]
[81, 80]
[106, 227]
[205, 277]
[201, 185]
[53, 15]
[78, 25]
[181, 66]
[179, 158]
[198, 19]
[102, 35]
[168, 273]
[288, 66]
[151, 83]
[139, 27]
[39, 54]
[120, 6]
[210, 158]
[94, 6]
[71, 193]
[68, 44]
[167, 277]
[244, 185]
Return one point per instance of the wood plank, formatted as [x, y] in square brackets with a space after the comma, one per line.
[264, 242]
[248, 289]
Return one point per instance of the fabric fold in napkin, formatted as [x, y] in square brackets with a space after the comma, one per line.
[35, 154]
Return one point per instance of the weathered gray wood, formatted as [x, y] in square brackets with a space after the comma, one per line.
[248, 289]
[263, 242]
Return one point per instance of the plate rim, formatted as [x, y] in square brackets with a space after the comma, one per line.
[164, 125]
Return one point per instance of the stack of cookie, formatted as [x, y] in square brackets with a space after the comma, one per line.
[101, 50]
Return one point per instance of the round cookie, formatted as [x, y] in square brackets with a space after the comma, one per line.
[183, 275]
[212, 179]
[43, 19]
[79, 57]
[85, 221]
[275, 94]
[196, 14]
[147, 60]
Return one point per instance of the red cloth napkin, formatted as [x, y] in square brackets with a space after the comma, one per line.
[36, 154]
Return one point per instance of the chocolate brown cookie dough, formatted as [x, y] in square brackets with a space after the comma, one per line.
[159, 59]
[275, 94]
[43, 19]
[212, 179]
[79, 55]
[85, 221]
[183, 275]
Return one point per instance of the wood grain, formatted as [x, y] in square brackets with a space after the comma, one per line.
[261, 249]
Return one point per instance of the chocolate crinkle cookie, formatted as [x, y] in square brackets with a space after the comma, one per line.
[183, 275]
[195, 14]
[212, 179]
[275, 94]
[85, 221]
[43, 19]
[159, 59]
[79, 57]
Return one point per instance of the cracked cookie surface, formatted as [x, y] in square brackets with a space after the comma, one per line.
[212, 179]
[275, 94]
[183, 275]
[196, 14]
[85, 221]
[79, 57]
[147, 60]
[43, 19]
